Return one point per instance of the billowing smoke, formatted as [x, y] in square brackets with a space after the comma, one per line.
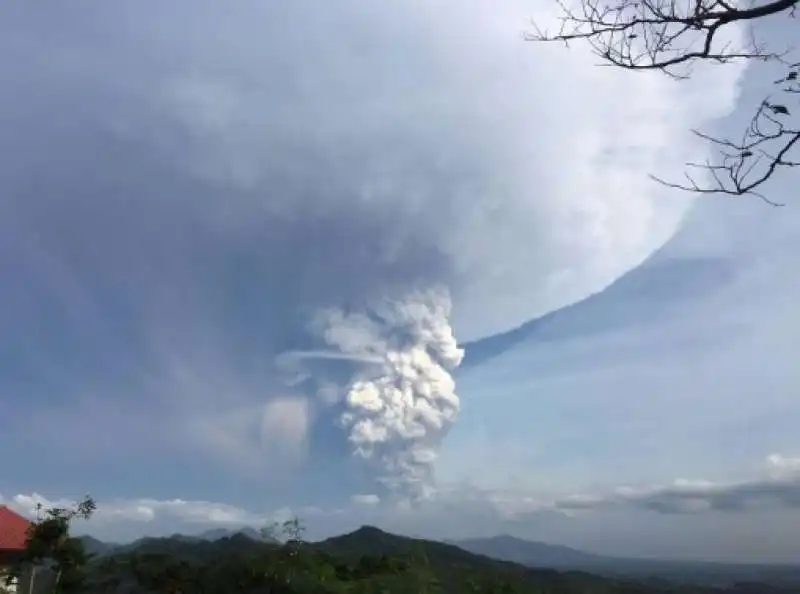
[212, 184]
[397, 413]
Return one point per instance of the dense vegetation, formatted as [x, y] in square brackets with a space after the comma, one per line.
[278, 561]
[368, 561]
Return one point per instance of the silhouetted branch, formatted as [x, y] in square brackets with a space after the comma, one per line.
[669, 35]
[767, 145]
[661, 34]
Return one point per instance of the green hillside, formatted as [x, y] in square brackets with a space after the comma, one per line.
[365, 561]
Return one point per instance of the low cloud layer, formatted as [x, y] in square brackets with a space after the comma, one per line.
[776, 487]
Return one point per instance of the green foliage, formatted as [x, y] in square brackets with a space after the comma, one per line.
[49, 543]
[367, 561]
[290, 533]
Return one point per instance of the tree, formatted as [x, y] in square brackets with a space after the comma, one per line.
[49, 541]
[290, 533]
[670, 36]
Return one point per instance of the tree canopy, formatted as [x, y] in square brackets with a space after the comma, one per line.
[50, 544]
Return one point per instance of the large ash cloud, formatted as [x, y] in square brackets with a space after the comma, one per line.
[193, 189]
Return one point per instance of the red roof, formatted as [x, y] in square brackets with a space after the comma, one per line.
[13, 530]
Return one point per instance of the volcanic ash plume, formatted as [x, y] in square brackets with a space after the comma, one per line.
[397, 412]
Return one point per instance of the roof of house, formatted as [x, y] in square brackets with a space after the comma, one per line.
[13, 530]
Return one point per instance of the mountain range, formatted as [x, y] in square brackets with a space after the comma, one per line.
[537, 554]
[97, 547]
[369, 540]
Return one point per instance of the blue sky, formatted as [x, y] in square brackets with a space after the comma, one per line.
[238, 251]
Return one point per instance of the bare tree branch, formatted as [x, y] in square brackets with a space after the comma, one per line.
[669, 36]
[767, 144]
[661, 34]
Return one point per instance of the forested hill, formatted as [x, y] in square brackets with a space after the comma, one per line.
[365, 561]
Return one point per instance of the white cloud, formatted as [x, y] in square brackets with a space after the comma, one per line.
[780, 467]
[770, 489]
[365, 499]
[149, 510]
[777, 486]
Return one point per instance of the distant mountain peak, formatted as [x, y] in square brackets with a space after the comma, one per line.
[509, 538]
[367, 530]
[512, 548]
[366, 534]
[220, 533]
[478, 555]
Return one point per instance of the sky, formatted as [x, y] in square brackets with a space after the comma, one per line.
[261, 260]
